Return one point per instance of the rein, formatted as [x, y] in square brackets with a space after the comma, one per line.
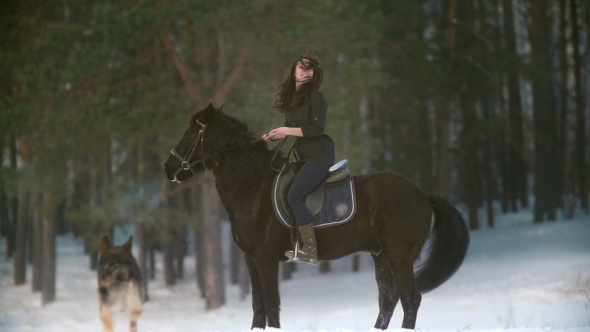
[187, 165]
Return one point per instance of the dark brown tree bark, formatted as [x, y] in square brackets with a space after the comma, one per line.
[356, 263]
[469, 147]
[581, 168]
[214, 281]
[20, 259]
[244, 279]
[516, 175]
[11, 230]
[544, 117]
[49, 263]
[38, 246]
[234, 267]
[487, 169]
[564, 185]
[168, 235]
[4, 214]
[325, 267]
[180, 252]
[287, 269]
[200, 257]
[142, 224]
[443, 160]
[142, 239]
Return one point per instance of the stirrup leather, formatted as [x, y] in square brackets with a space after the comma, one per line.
[294, 256]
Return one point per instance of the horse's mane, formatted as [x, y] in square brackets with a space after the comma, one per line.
[246, 158]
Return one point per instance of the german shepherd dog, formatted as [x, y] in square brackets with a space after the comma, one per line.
[120, 286]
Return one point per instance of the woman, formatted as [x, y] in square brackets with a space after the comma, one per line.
[305, 109]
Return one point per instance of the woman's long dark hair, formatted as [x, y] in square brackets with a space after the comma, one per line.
[289, 95]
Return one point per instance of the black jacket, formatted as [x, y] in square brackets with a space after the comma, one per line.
[311, 118]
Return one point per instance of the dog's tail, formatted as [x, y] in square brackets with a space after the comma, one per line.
[449, 247]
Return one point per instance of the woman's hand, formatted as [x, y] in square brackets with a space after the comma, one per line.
[276, 133]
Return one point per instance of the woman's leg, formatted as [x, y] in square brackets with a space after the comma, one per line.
[308, 178]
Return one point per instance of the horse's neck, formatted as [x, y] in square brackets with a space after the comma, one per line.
[243, 198]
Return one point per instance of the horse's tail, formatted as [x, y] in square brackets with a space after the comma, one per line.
[450, 240]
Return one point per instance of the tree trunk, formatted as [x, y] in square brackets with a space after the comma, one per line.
[11, 231]
[443, 160]
[469, 147]
[4, 213]
[516, 177]
[287, 270]
[325, 267]
[214, 281]
[20, 259]
[545, 135]
[38, 243]
[142, 239]
[234, 267]
[152, 251]
[564, 172]
[180, 250]
[366, 139]
[94, 202]
[168, 235]
[142, 223]
[487, 167]
[200, 256]
[356, 263]
[48, 280]
[581, 168]
[244, 278]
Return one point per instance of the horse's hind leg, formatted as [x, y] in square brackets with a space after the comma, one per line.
[388, 294]
[402, 263]
[259, 318]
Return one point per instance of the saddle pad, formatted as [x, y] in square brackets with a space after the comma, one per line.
[339, 206]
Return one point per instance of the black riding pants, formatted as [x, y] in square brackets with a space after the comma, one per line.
[309, 177]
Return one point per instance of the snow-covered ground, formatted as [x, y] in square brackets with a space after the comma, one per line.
[516, 276]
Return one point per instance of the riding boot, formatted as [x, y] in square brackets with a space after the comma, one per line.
[308, 252]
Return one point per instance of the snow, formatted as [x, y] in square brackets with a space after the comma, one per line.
[517, 277]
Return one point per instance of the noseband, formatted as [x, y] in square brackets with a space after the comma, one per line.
[185, 161]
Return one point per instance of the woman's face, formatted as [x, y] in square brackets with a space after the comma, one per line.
[302, 75]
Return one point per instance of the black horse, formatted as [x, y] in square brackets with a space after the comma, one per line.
[392, 222]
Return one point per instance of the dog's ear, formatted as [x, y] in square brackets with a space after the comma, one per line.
[105, 244]
[220, 109]
[127, 245]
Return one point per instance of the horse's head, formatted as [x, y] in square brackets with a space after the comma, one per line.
[187, 157]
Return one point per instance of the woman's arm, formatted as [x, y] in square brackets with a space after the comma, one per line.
[319, 112]
[282, 132]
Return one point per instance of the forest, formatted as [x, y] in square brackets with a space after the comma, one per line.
[476, 101]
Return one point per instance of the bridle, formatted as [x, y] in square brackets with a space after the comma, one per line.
[185, 161]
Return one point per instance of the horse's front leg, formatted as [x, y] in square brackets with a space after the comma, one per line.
[259, 318]
[267, 266]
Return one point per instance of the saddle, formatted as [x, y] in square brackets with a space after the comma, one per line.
[332, 203]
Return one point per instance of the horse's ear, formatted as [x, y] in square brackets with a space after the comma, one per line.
[207, 113]
[220, 109]
[105, 244]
